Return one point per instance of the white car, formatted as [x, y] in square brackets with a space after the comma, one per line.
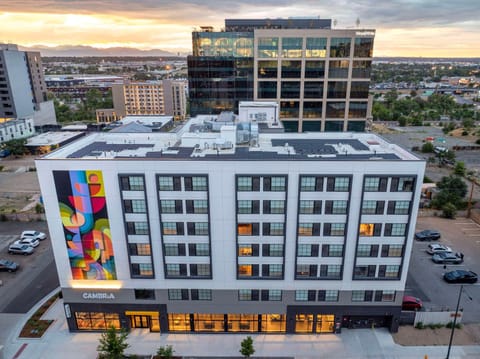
[434, 248]
[31, 242]
[33, 234]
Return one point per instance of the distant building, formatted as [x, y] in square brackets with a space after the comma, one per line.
[319, 76]
[166, 97]
[16, 128]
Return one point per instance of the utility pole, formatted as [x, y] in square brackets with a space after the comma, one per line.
[454, 322]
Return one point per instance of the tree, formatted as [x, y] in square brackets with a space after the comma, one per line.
[449, 210]
[247, 349]
[428, 147]
[16, 147]
[460, 168]
[165, 352]
[452, 190]
[113, 343]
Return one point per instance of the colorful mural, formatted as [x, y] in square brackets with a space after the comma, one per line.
[81, 198]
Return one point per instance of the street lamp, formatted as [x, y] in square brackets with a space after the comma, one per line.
[455, 320]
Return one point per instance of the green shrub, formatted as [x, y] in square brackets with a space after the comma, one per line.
[419, 325]
[165, 352]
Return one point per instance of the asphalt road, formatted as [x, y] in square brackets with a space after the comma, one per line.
[425, 278]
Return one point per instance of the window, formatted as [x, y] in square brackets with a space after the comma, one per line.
[201, 294]
[316, 47]
[135, 206]
[175, 270]
[248, 229]
[333, 271]
[248, 183]
[271, 295]
[197, 228]
[306, 270]
[144, 294]
[132, 183]
[367, 250]
[340, 46]
[198, 183]
[307, 250]
[373, 207]
[198, 249]
[248, 294]
[274, 184]
[309, 229]
[248, 270]
[334, 229]
[389, 271]
[171, 206]
[178, 294]
[310, 207]
[304, 295]
[363, 47]
[169, 183]
[273, 207]
[268, 47]
[272, 270]
[310, 184]
[248, 250]
[248, 207]
[272, 250]
[395, 229]
[328, 295]
[139, 249]
[375, 184]
[398, 207]
[338, 184]
[137, 228]
[392, 250]
[199, 206]
[385, 296]
[370, 229]
[402, 184]
[336, 207]
[365, 271]
[172, 228]
[200, 270]
[362, 295]
[142, 269]
[273, 229]
[174, 249]
[292, 46]
[332, 250]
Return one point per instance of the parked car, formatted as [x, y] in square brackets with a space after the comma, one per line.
[411, 303]
[427, 235]
[438, 248]
[32, 242]
[33, 234]
[9, 266]
[460, 276]
[17, 248]
[448, 258]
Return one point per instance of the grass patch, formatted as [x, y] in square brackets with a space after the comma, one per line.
[36, 327]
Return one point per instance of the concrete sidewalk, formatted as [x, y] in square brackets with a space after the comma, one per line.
[59, 343]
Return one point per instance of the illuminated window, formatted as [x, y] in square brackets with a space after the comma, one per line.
[139, 249]
[179, 322]
[292, 47]
[316, 47]
[248, 229]
[370, 229]
[273, 323]
[305, 229]
[245, 270]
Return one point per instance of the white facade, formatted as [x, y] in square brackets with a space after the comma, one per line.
[345, 168]
[15, 129]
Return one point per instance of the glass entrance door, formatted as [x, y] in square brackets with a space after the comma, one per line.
[144, 319]
[140, 321]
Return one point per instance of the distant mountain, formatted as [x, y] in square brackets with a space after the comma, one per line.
[84, 51]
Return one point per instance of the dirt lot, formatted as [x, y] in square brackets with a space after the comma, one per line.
[408, 335]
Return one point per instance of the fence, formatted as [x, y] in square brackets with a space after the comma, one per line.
[23, 217]
[443, 317]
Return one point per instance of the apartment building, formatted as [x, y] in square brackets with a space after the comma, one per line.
[22, 84]
[319, 76]
[165, 97]
[239, 230]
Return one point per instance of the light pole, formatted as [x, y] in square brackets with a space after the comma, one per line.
[455, 320]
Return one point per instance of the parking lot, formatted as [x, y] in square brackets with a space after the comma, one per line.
[425, 277]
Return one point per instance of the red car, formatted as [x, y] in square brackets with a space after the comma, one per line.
[411, 303]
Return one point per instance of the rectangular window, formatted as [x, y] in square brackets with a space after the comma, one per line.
[178, 294]
[310, 207]
[316, 47]
[389, 271]
[199, 183]
[304, 295]
[392, 250]
[248, 270]
[362, 295]
[201, 294]
[248, 229]
[248, 294]
[365, 271]
[333, 271]
[142, 269]
[272, 250]
[199, 270]
[398, 207]
[395, 229]
[306, 270]
[311, 184]
[276, 207]
[328, 295]
[273, 184]
[272, 270]
[132, 183]
[271, 295]
[273, 229]
[336, 207]
[249, 183]
[139, 249]
[370, 229]
[165, 183]
[137, 228]
[172, 228]
[373, 207]
[198, 206]
[375, 184]
[402, 184]
[338, 184]
[307, 250]
[175, 249]
[385, 296]
[171, 206]
[248, 207]
[197, 228]
[334, 229]
[248, 250]
[148, 294]
[332, 250]
[135, 206]
[367, 250]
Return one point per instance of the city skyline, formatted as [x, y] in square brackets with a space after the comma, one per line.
[411, 28]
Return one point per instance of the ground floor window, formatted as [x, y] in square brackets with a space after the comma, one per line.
[309, 323]
[208, 322]
[179, 322]
[273, 323]
[96, 320]
[242, 323]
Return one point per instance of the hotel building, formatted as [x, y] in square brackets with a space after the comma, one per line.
[319, 76]
[239, 230]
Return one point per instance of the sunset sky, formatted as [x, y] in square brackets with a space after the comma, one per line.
[427, 28]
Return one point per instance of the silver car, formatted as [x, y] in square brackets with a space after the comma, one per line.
[17, 248]
[448, 258]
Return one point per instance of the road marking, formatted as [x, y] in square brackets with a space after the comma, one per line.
[19, 352]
